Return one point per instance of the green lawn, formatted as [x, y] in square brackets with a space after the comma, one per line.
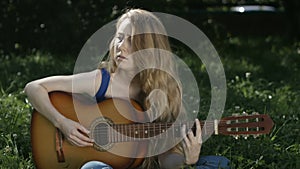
[262, 75]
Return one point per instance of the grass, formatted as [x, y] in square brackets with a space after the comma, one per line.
[262, 76]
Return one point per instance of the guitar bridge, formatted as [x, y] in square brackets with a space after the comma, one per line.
[59, 147]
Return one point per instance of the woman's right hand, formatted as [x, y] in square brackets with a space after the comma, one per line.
[38, 95]
[75, 133]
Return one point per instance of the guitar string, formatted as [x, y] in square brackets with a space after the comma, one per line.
[187, 123]
[131, 129]
[151, 127]
[157, 125]
[129, 136]
[133, 135]
[168, 125]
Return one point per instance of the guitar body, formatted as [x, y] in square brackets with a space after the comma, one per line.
[52, 151]
[106, 120]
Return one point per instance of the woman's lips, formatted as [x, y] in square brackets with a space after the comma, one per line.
[121, 57]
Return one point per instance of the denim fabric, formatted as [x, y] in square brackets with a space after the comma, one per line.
[212, 162]
[204, 162]
[95, 165]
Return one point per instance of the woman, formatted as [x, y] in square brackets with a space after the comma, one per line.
[137, 57]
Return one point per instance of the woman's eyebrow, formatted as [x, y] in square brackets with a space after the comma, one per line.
[120, 33]
[124, 35]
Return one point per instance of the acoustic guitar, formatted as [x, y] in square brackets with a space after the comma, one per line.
[113, 132]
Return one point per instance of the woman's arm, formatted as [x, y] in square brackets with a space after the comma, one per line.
[37, 92]
[191, 149]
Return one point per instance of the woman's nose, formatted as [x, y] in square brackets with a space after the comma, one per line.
[120, 45]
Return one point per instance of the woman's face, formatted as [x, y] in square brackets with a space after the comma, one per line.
[123, 45]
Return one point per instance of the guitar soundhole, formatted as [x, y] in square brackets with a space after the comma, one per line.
[100, 133]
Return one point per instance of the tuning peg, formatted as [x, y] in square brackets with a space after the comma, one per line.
[235, 114]
[245, 136]
[244, 113]
[236, 136]
[255, 135]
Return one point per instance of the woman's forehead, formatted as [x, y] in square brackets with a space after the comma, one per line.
[125, 27]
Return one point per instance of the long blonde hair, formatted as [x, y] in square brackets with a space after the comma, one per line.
[160, 85]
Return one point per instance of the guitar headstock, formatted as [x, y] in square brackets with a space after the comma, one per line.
[245, 125]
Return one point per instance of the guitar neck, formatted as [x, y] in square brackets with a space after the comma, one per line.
[245, 125]
[145, 131]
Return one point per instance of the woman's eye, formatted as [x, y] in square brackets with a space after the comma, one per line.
[119, 38]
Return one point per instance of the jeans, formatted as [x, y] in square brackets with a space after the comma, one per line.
[204, 162]
[95, 165]
[212, 162]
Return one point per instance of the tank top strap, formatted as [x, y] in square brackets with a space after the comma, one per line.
[100, 95]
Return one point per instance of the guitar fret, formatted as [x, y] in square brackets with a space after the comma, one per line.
[135, 132]
[124, 132]
[132, 129]
[173, 130]
[119, 133]
[148, 131]
[129, 131]
[143, 131]
[116, 133]
[159, 130]
[138, 131]
[112, 130]
[109, 135]
[179, 130]
[154, 129]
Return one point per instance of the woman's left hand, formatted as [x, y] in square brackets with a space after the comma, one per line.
[192, 144]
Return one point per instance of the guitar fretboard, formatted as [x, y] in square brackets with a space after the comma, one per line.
[104, 133]
[143, 131]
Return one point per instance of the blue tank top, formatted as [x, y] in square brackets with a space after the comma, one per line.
[100, 95]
